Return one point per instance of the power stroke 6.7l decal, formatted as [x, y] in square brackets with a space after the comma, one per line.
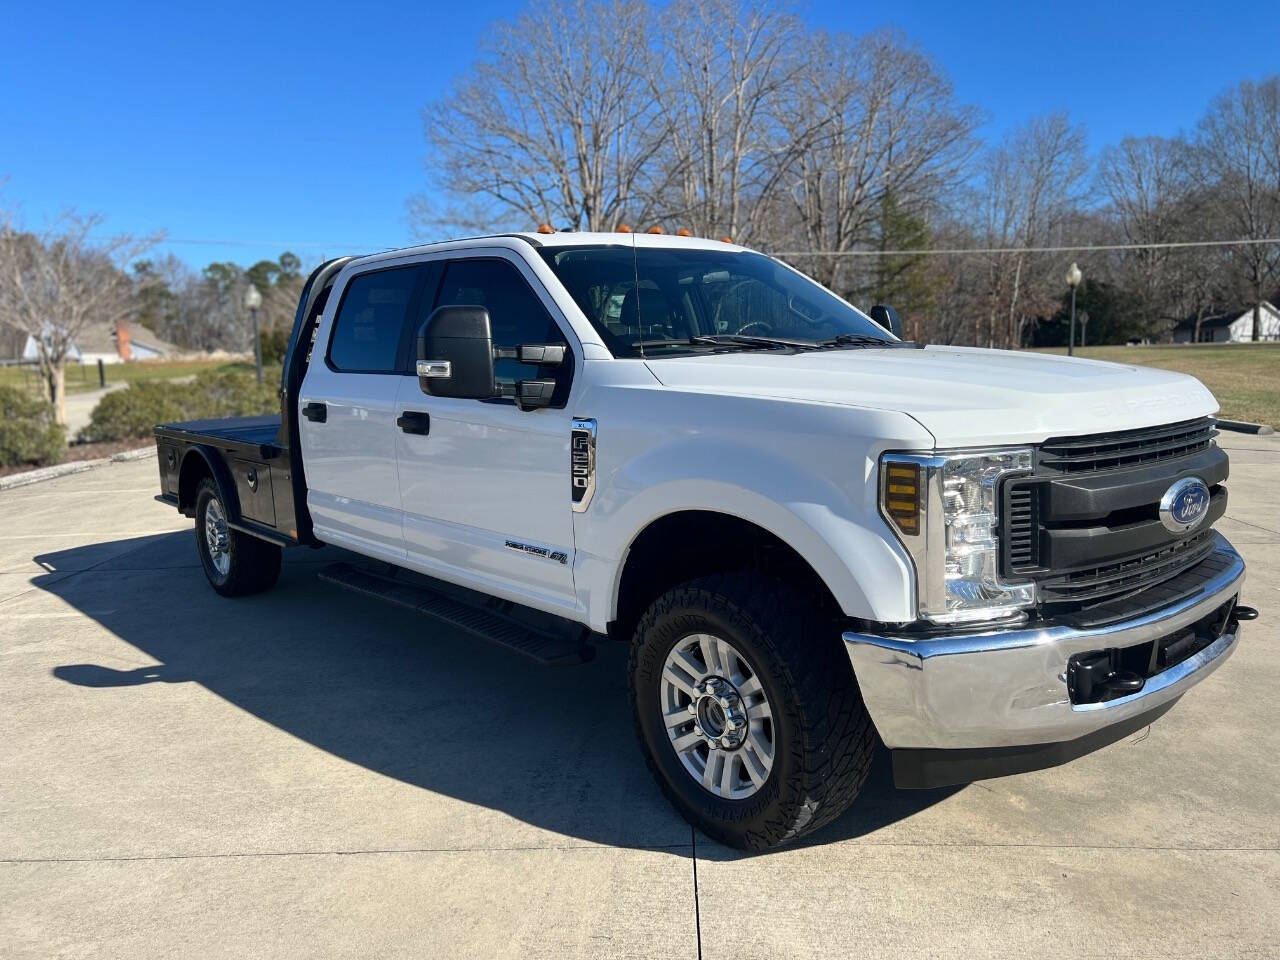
[537, 550]
[582, 462]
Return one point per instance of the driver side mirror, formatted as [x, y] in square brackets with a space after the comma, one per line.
[455, 354]
[456, 359]
[887, 317]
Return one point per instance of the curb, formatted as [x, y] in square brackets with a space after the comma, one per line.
[1243, 426]
[75, 466]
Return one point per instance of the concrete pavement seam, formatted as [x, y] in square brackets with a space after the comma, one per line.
[1254, 525]
[697, 906]
[346, 853]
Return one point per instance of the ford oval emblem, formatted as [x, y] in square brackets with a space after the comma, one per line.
[1184, 505]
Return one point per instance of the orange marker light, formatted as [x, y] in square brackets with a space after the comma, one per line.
[623, 228]
[545, 228]
[726, 239]
[656, 230]
[684, 232]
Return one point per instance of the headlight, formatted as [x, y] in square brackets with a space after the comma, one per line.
[944, 509]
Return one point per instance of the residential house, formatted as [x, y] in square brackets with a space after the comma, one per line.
[97, 341]
[1233, 326]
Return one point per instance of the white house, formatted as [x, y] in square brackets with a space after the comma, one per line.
[127, 342]
[1234, 326]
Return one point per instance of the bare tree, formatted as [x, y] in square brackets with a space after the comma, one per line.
[54, 284]
[1148, 183]
[726, 63]
[1237, 160]
[555, 123]
[1030, 187]
[874, 118]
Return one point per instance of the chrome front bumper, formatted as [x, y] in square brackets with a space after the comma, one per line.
[1005, 689]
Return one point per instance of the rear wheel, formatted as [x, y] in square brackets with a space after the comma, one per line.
[235, 563]
[748, 710]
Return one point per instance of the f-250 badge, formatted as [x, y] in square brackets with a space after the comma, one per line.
[582, 462]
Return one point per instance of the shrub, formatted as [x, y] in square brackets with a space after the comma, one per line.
[135, 410]
[224, 393]
[275, 344]
[28, 432]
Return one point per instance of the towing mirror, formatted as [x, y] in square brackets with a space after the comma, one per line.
[887, 317]
[455, 354]
[541, 354]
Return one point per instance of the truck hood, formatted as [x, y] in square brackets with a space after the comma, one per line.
[964, 396]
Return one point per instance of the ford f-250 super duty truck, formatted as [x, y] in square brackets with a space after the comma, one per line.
[812, 534]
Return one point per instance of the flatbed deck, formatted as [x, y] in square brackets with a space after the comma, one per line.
[236, 432]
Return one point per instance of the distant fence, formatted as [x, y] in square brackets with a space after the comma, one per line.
[25, 374]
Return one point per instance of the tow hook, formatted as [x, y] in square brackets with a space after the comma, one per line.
[1244, 614]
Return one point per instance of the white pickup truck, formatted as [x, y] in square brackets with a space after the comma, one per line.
[813, 535]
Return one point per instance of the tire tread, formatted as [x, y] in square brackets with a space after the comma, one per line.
[837, 740]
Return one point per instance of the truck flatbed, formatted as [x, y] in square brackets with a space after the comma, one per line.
[246, 454]
[255, 431]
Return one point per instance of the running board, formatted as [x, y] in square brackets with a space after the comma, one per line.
[540, 645]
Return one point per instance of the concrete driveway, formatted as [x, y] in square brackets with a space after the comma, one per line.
[310, 773]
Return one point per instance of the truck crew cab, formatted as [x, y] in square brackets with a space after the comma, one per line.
[813, 534]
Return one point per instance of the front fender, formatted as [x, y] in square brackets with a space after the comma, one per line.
[811, 492]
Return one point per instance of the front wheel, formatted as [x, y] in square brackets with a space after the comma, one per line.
[235, 563]
[748, 711]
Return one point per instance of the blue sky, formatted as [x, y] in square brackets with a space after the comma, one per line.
[246, 129]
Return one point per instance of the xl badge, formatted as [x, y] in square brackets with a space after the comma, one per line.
[1184, 505]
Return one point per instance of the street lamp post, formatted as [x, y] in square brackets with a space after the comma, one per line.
[1074, 276]
[252, 301]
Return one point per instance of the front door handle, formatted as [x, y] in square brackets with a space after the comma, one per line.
[316, 412]
[414, 421]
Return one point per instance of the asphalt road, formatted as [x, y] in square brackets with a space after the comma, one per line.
[309, 773]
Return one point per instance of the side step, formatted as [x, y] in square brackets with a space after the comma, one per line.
[540, 645]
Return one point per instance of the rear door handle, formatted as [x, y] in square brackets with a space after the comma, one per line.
[414, 421]
[317, 412]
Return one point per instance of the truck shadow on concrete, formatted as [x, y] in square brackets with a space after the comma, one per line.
[401, 696]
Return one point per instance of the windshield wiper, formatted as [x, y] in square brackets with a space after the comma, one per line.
[862, 340]
[724, 340]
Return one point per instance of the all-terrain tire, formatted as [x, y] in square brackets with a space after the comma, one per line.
[253, 565]
[823, 737]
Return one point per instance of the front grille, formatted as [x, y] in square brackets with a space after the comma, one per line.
[1128, 575]
[1126, 448]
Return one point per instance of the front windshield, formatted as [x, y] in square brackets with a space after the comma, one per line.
[668, 300]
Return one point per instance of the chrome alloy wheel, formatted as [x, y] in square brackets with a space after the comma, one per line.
[717, 716]
[217, 538]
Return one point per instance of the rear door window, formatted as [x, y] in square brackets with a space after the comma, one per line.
[369, 331]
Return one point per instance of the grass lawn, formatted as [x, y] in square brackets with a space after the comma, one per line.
[1244, 377]
[82, 377]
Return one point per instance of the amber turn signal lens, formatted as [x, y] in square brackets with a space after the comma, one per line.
[902, 496]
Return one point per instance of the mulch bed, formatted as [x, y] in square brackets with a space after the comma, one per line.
[83, 451]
